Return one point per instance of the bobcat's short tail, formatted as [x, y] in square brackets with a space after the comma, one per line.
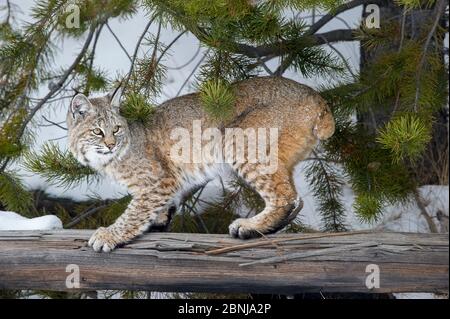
[324, 127]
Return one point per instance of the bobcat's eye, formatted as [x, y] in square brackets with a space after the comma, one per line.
[116, 129]
[97, 131]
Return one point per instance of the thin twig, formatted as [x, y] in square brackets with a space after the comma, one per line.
[344, 60]
[94, 47]
[166, 49]
[84, 215]
[8, 8]
[330, 16]
[271, 242]
[424, 212]
[188, 61]
[265, 67]
[56, 138]
[136, 50]
[119, 42]
[192, 73]
[54, 123]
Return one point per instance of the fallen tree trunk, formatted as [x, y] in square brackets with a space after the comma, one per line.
[280, 264]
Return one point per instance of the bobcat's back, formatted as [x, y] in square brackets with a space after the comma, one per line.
[293, 108]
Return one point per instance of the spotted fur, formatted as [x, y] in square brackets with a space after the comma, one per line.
[138, 155]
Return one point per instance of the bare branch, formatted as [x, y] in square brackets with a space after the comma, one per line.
[136, 50]
[344, 60]
[169, 45]
[330, 16]
[185, 64]
[192, 73]
[280, 48]
[85, 215]
[54, 123]
[8, 10]
[119, 42]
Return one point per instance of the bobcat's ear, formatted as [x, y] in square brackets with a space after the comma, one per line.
[115, 96]
[80, 104]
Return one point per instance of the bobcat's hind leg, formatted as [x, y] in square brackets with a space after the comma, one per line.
[279, 195]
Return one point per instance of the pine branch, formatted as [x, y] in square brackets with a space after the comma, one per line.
[439, 11]
[283, 47]
[55, 88]
[58, 167]
[13, 195]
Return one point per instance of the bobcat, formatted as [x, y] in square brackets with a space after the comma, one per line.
[139, 155]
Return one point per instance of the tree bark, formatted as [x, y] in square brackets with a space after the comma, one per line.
[278, 264]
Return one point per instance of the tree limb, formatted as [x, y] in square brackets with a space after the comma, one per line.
[330, 16]
[282, 47]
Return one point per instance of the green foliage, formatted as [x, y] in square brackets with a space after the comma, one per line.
[313, 61]
[135, 108]
[396, 84]
[227, 25]
[93, 11]
[91, 78]
[391, 79]
[326, 183]
[10, 143]
[368, 206]
[58, 167]
[148, 76]
[226, 66]
[149, 72]
[405, 136]
[218, 99]
[414, 4]
[327, 5]
[370, 169]
[13, 195]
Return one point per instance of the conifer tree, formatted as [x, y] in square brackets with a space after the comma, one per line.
[399, 91]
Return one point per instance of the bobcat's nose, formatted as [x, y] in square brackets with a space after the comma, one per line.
[110, 145]
[109, 142]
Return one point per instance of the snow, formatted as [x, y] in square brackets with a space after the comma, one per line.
[14, 221]
[419, 295]
[398, 218]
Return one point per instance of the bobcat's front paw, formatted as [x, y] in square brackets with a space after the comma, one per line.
[244, 228]
[103, 240]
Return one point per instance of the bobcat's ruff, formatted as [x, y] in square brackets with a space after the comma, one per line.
[138, 155]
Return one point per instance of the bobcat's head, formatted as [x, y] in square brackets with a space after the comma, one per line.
[98, 134]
